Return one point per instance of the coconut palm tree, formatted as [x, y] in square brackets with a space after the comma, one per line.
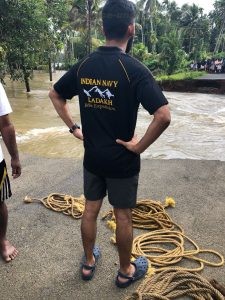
[83, 14]
[219, 19]
[146, 13]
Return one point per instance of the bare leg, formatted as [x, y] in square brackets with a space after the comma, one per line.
[124, 240]
[7, 251]
[89, 229]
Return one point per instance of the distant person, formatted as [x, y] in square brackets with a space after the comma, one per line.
[192, 65]
[223, 66]
[7, 250]
[208, 64]
[212, 66]
[117, 84]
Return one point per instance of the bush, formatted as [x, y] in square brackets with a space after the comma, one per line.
[140, 51]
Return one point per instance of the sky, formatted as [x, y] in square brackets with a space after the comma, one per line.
[207, 5]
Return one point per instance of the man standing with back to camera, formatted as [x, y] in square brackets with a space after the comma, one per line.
[111, 85]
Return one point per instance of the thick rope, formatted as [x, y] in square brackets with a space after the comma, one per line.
[163, 245]
[164, 248]
[149, 214]
[67, 204]
[175, 284]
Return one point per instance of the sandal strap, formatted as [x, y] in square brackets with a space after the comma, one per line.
[125, 276]
[88, 268]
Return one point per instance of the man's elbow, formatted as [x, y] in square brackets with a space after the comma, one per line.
[54, 97]
[163, 116]
[166, 119]
[51, 94]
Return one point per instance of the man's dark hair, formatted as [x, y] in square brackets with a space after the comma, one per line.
[117, 15]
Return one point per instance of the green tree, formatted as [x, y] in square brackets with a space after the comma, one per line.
[22, 24]
[55, 37]
[218, 25]
[172, 56]
[146, 17]
[85, 20]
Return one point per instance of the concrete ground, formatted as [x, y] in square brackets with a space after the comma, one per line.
[49, 243]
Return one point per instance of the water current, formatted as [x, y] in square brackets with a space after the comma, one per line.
[197, 130]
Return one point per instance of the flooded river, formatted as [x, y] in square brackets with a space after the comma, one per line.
[197, 130]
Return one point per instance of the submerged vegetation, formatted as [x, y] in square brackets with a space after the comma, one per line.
[49, 34]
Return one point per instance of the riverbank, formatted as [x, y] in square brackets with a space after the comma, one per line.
[209, 83]
[49, 243]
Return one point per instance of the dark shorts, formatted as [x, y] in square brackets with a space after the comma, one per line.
[5, 190]
[122, 192]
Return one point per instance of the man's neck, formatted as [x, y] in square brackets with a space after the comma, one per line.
[120, 44]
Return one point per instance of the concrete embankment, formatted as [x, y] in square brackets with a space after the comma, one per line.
[210, 83]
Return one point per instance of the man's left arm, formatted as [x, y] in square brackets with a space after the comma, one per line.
[9, 138]
[159, 123]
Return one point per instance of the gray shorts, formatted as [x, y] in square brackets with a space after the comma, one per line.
[122, 192]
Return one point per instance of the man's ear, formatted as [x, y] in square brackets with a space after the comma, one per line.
[131, 30]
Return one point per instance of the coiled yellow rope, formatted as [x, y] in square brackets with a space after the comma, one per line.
[67, 204]
[164, 248]
[149, 214]
[175, 284]
[164, 245]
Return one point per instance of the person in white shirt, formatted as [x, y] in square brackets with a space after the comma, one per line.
[7, 250]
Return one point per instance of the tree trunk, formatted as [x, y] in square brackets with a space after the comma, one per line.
[219, 38]
[27, 84]
[50, 67]
[89, 4]
[26, 79]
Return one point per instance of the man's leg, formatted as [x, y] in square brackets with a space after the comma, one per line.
[124, 240]
[122, 195]
[7, 251]
[89, 229]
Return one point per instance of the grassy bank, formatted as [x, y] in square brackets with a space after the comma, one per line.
[181, 76]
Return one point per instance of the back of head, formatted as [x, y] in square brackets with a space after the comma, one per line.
[117, 15]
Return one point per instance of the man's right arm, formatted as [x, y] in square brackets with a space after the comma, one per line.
[62, 109]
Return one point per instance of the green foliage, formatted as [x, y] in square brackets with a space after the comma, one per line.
[181, 76]
[2, 64]
[79, 46]
[36, 32]
[140, 51]
[219, 55]
[96, 43]
[153, 63]
[173, 58]
[30, 34]
[22, 25]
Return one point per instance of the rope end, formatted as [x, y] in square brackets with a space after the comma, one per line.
[170, 202]
[113, 239]
[112, 225]
[27, 200]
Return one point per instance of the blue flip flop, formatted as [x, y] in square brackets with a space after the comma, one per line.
[141, 268]
[97, 254]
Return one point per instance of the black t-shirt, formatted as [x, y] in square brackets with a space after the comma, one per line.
[110, 85]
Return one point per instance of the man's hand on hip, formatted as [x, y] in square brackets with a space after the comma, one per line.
[130, 145]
